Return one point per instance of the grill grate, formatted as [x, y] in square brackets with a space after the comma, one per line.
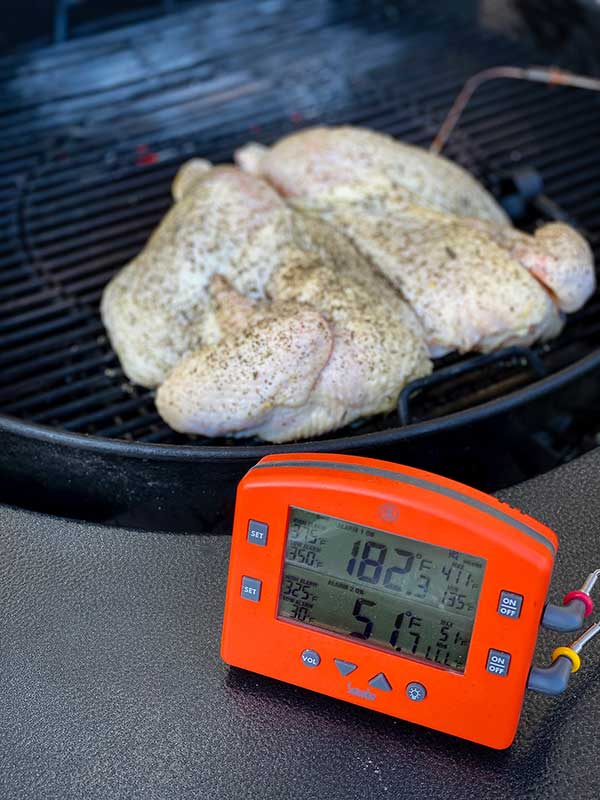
[93, 132]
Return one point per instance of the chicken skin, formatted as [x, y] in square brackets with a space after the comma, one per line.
[302, 291]
[155, 310]
[341, 163]
[275, 325]
[474, 281]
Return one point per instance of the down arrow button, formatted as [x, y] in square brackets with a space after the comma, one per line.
[344, 667]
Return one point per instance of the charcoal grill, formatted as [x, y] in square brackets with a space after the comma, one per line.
[92, 134]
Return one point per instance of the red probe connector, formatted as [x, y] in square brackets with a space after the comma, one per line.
[578, 594]
[577, 605]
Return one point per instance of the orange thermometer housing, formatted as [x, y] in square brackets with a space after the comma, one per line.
[388, 587]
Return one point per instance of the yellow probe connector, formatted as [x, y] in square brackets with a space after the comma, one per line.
[565, 661]
[570, 654]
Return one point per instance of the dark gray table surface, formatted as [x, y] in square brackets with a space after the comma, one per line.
[111, 685]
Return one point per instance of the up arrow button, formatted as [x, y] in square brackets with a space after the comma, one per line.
[379, 681]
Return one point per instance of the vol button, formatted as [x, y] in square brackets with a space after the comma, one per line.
[310, 658]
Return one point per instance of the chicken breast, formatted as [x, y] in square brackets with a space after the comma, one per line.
[257, 320]
[557, 255]
[474, 281]
[341, 163]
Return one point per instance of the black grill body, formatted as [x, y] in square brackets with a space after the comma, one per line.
[93, 131]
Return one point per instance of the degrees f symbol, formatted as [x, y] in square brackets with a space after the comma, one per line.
[388, 512]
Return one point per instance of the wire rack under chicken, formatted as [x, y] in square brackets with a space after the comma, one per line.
[93, 132]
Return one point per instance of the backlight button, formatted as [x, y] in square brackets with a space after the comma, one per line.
[416, 692]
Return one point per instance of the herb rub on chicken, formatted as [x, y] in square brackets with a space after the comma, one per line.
[474, 281]
[256, 319]
[290, 296]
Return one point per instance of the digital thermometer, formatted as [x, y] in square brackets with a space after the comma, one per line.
[388, 587]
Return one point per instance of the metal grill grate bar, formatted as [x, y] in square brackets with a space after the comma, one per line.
[76, 364]
[108, 401]
[29, 404]
[132, 405]
[44, 343]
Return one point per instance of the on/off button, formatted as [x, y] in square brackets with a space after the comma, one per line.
[498, 663]
[510, 604]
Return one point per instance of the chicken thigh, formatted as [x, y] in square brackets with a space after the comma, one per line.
[474, 281]
[278, 327]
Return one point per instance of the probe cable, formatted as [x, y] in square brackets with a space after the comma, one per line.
[549, 75]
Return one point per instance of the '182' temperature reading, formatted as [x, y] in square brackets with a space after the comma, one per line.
[369, 563]
[371, 567]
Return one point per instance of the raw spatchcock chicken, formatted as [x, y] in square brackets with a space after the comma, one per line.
[304, 288]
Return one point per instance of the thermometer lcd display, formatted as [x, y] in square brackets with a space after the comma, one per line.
[386, 590]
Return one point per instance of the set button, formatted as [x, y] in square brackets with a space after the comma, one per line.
[251, 588]
[257, 533]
